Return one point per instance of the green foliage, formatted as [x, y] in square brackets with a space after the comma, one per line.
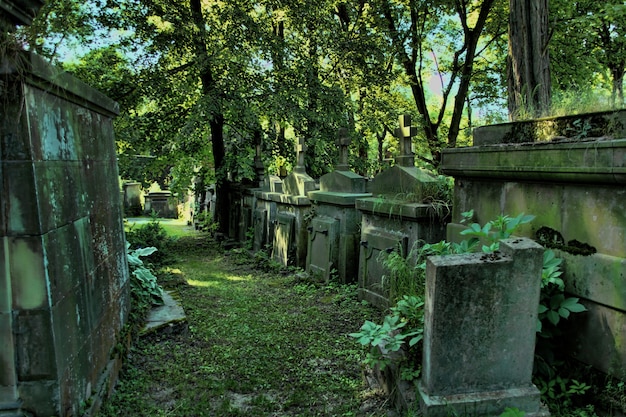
[512, 412]
[406, 322]
[559, 392]
[152, 234]
[206, 223]
[495, 230]
[144, 288]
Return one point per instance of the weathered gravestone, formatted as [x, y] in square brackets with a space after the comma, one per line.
[132, 199]
[334, 231]
[64, 283]
[264, 215]
[479, 332]
[293, 207]
[395, 218]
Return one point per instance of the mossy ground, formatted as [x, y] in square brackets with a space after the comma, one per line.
[257, 343]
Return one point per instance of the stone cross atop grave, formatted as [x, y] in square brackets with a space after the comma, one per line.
[343, 142]
[405, 135]
[300, 152]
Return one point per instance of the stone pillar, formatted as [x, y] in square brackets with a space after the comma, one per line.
[479, 332]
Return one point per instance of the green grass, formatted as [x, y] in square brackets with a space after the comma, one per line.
[257, 344]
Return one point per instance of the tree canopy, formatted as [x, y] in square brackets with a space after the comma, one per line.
[201, 83]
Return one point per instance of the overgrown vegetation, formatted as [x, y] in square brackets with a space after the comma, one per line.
[260, 342]
[406, 285]
[144, 289]
[152, 235]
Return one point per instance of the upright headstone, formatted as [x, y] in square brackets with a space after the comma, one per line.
[264, 215]
[334, 231]
[479, 332]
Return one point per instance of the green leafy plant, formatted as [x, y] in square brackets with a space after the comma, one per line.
[493, 231]
[206, 223]
[145, 290]
[561, 391]
[406, 322]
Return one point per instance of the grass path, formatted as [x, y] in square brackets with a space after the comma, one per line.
[258, 343]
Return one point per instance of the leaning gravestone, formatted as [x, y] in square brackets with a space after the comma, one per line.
[333, 243]
[395, 217]
[479, 332]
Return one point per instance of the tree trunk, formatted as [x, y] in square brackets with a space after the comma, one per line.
[617, 94]
[472, 36]
[216, 119]
[528, 62]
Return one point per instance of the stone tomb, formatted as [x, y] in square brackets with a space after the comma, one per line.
[394, 218]
[333, 244]
[64, 283]
[293, 206]
[479, 332]
[576, 188]
[264, 214]
[162, 203]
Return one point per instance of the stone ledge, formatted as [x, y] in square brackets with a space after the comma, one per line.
[392, 208]
[485, 403]
[597, 161]
[41, 74]
[337, 198]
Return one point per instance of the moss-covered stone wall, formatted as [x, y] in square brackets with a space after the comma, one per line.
[64, 264]
[577, 191]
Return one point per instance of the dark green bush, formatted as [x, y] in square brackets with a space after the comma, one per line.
[152, 234]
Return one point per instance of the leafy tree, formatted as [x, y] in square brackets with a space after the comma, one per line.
[437, 41]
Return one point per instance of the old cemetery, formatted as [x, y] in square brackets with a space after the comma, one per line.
[488, 280]
[467, 306]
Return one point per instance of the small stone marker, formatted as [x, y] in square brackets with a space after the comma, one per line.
[405, 135]
[343, 142]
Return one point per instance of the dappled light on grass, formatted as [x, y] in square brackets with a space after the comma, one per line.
[214, 280]
[257, 344]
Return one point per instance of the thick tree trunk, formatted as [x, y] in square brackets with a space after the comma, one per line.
[528, 62]
[216, 119]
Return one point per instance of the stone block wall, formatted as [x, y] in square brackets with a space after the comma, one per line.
[63, 270]
[576, 189]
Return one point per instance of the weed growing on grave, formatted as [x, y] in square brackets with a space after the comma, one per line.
[405, 323]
